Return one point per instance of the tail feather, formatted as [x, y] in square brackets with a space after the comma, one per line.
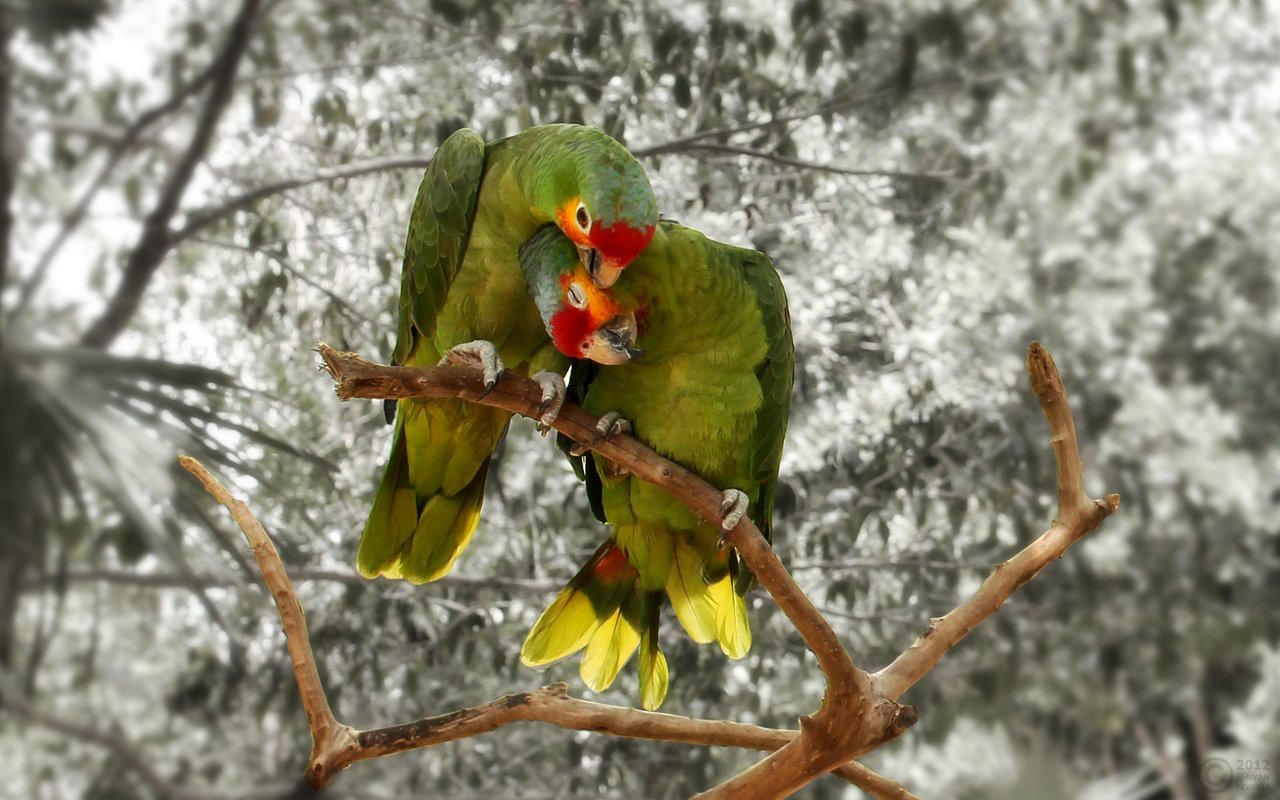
[613, 642]
[394, 514]
[445, 527]
[650, 549]
[733, 629]
[689, 593]
[592, 597]
[653, 664]
[428, 505]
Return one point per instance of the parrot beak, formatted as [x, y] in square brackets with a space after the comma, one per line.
[603, 272]
[607, 274]
[614, 342]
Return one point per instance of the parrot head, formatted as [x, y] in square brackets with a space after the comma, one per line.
[584, 321]
[600, 198]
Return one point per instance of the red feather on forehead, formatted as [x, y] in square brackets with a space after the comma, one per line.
[619, 242]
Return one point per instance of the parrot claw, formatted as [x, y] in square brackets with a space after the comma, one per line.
[610, 425]
[578, 449]
[553, 393]
[478, 354]
[732, 509]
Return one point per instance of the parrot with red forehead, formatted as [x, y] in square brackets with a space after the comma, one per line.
[704, 380]
[464, 301]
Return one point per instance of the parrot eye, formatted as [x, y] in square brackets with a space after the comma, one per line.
[577, 297]
[584, 217]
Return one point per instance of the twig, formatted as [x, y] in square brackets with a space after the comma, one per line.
[842, 103]
[336, 746]
[122, 142]
[7, 161]
[1077, 517]
[199, 219]
[167, 580]
[777, 158]
[145, 257]
[327, 733]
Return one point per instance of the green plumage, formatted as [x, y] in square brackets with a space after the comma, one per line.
[461, 282]
[711, 392]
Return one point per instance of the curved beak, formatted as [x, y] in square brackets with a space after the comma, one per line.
[615, 341]
[604, 273]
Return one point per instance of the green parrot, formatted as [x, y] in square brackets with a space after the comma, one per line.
[463, 301]
[709, 387]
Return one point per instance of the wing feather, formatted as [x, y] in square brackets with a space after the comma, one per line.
[439, 230]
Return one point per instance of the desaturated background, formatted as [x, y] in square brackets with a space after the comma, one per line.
[197, 198]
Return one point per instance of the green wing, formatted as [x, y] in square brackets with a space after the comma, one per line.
[776, 375]
[438, 233]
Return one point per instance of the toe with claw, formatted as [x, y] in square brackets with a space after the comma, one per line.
[610, 425]
[733, 507]
[479, 354]
[553, 392]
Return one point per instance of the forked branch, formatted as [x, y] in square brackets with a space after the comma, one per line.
[858, 713]
[336, 746]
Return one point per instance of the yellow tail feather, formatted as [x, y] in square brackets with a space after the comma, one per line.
[650, 549]
[444, 530]
[689, 593]
[428, 505]
[563, 629]
[654, 676]
[733, 629]
[393, 517]
[591, 597]
[611, 646]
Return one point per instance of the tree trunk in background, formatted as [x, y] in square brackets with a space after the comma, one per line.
[7, 161]
[11, 565]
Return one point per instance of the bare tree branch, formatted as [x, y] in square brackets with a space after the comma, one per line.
[200, 219]
[858, 712]
[336, 746]
[122, 143]
[166, 580]
[1078, 516]
[843, 102]
[854, 717]
[328, 734]
[7, 164]
[736, 150]
[155, 242]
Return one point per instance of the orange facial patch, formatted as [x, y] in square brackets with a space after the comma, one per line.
[567, 219]
[571, 326]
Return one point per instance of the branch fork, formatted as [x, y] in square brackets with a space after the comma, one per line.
[859, 711]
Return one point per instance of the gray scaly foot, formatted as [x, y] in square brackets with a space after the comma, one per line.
[553, 392]
[480, 354]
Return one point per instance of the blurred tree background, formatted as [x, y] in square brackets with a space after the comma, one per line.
[195, 192]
